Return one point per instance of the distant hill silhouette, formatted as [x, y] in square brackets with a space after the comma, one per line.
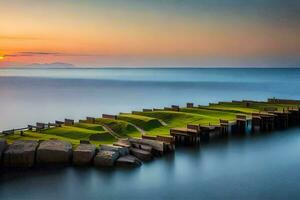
[50, 65]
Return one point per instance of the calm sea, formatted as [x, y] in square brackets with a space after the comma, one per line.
[255, 167]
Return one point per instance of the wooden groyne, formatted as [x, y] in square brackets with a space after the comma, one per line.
[266, 121]
[134, 151]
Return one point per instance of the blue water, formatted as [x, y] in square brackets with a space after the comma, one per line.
[261, 166]
[31, 95]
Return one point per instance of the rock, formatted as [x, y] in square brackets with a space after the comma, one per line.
[146, 147]
[123, 151]
[21, 153]
[119, 144]
[85, 142]
[106, 158]
[156, 145]
[124, 142]
[128, 161]
[54, 152]
[96, 137]
[84, 154]
[135, 145]
[3, 146]
[141, 154]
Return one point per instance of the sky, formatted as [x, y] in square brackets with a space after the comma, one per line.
[149, 33]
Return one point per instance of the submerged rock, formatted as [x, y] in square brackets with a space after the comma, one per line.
[123, 151]
[21, 153]
[3, 146]
[106, 158]
[84, 154]
[141, 154]
[128, 161]
[54, 152]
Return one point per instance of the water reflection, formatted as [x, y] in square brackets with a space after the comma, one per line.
[254, 166]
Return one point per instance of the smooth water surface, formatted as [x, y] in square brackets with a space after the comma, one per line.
[43, 95]
[255, 167]
[262, 166]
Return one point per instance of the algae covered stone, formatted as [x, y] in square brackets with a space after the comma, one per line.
[106, 158]
[123, 151]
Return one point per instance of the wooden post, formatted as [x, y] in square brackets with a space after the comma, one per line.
[106, 116]
[190, 105]
[224, 127]
[175, 107]
[241, 124]
[69, 122]
[256, 122]
[91, 120]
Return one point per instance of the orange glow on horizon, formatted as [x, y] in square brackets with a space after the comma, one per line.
[103, 36]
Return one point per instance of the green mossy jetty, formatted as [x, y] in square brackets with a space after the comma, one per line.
[150, 131]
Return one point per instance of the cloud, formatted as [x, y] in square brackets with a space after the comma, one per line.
[11, 55]
[39, 53]
[29, 53]
[13, 64]
[33, 53]
[50, 65]
[9, 37]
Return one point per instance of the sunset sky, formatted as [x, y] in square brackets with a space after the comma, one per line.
[102, 33]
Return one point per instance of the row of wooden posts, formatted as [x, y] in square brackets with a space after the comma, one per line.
[43, 126]
[258, 122]
[39, 126]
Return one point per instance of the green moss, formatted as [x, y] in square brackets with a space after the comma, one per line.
[103, 138]
[177, 119]
[36, 136]
[236, 110]
[94, 127]
[122, 128]
[40, 136]
[148, 121]
[71, 132]
[256, 106]
[173, 117]
[144, 122]
[219, 114]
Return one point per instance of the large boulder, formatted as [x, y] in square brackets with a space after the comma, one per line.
[20, 153]
[157, 146]
[128, 161]
[123, 151]
[119, 144]
[106, 158]
[142, 146]
[84, 154]
[124, 141]
[3, 146]
[141, 154]
[54, 152]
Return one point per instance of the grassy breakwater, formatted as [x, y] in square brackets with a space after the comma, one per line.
[151, 122]
[127, 138]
